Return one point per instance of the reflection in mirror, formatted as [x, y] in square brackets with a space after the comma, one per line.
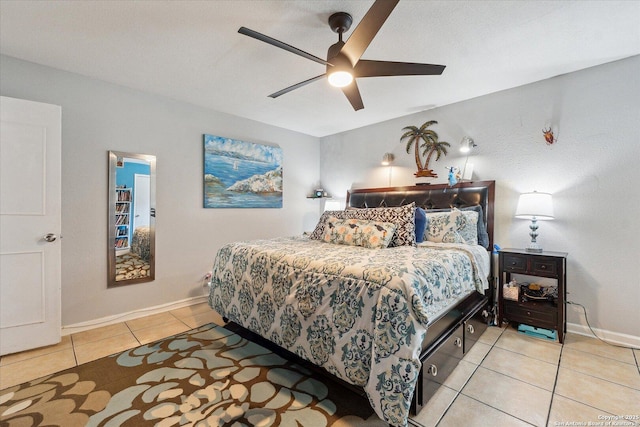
[131, 242]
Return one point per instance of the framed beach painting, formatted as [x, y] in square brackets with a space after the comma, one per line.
[240, 174]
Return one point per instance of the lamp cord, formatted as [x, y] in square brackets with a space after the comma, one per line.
[593, 332]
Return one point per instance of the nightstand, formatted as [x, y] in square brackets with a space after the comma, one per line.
[548, 314]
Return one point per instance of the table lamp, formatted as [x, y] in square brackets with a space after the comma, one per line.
[534, 206]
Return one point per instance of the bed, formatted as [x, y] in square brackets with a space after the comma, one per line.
[365, 302]
[140, 244]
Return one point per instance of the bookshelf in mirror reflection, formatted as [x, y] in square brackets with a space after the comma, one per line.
[123, 218]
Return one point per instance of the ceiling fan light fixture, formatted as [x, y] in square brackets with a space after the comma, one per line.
[340, 78]
[344, 61]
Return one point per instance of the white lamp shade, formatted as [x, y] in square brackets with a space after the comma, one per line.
[538, 205]
[332, 205]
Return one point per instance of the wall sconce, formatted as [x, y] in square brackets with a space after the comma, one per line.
[466, 144]
[535, 206]
[387, 159]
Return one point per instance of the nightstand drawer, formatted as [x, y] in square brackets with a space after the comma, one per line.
[515, 263]
[541, 266]
[524, 314]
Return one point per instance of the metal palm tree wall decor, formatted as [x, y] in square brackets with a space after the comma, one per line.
[427, 139]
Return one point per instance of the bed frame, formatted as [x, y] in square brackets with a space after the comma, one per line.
[454, 333]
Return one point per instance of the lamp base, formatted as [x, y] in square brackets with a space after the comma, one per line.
[534, 247]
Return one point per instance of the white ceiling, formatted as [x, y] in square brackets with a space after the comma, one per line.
[191, 50]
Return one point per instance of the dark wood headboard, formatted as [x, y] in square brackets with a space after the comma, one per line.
[433, 196]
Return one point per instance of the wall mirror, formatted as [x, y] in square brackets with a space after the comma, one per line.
[132, 203]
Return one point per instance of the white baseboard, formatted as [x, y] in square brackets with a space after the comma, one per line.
[612, 337]
[123, 317]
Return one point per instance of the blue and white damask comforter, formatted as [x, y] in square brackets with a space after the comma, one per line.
[362, 314]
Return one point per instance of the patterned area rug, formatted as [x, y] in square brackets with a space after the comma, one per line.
[208, 376]
[131, 266]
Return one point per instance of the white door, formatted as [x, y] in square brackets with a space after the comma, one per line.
[30, 252]
[141, 198]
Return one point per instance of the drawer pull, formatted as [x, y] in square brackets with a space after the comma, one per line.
[513, 263]
[528, 313]
[543, 267]
[457, 342]
[433, 370]
[470, 329]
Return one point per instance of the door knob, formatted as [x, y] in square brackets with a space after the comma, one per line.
[50, 237]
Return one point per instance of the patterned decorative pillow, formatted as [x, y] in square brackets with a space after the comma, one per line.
[483, 235]
[357, 232]
[455, 226]
[318, 232]
[403, 217]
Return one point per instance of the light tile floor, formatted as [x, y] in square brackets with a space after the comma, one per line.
[507, 379]
[83, 347]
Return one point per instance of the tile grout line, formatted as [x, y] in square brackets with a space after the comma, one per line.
[180, 320]
[484, 403]
[525, 355]
[555, 383]
[498, 409]
[132, 333]
[525, 382]
[552, 391]
[459, 392]
[607, 357]
[600, 378]
[554, 394]
[73, 348]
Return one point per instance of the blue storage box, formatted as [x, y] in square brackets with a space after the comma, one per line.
[546, 334]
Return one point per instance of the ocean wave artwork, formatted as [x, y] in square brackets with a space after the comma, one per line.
[240, 174]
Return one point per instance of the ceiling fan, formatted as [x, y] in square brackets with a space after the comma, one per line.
[343, 63]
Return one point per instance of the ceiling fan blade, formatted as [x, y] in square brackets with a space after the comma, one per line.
[277, 43]
[353, 95]
[366, 68]
[367, 29]
[296, 86]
